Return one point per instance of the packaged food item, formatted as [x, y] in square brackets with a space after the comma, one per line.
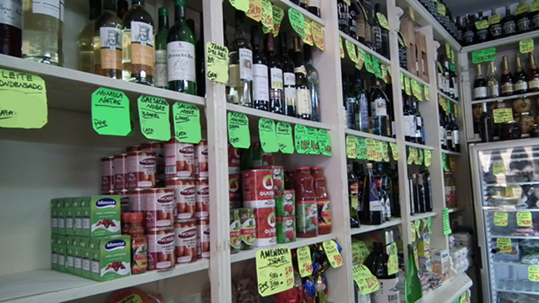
[69, 216]
[278, 176]
[185, 196]
[306, 208]
[111, 259]
[127, 294]
[136, 200]
[179, 159]
[234, 190]
[257, 185]
[201, 159]
[85, 256]
[107, 174]
[528, 247]
[513, 256]
[248, 228]
[141, 169]
[186, 241]
[139, 244]
[285, 203]
[119, 169]
[202, 197]
[322, 201]
[203, 238]
[161, 243]
[60, 217]
[157, 148]
[260, 158]
[125, 200]
[289, 179]
[235, 231]
[160, 206]
[265, 226]
[286, 229]
[100, 216]
[61, 253]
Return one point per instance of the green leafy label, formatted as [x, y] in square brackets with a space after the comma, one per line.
[297, 22]
[268, 137]
[484, 55]
[324, 142]
[361, 148]
[446, 225]
[284, 137]
[351, 147]
[238, 130]
[313, 138]
[301, 138]
[154, 116]
[187, 123]
[110, 112]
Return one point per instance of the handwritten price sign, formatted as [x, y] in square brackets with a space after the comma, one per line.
[334, 257]
[504, 245]
[365, 280]
[110, 112]
[524, 218]
[533, 273]
[305, 264]
[255, 10]
[274, 270]
[154, 117]
[500, 219]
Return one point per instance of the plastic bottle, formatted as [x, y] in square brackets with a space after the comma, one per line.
[139, 245]
[322, 201]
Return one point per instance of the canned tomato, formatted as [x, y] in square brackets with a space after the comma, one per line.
[235, 231]
[159, 207]
[257, 187]
[107, 174]
[285, 203]
[202, 198]
[265, 226]
[278, 176]
[234, 160]
[140, 169]
[234, 191]
[156, 148]
[203, 238]
[201, 159]
[185, 194]
[286, 230]
[136, 200]
[179, 159]
[248, 228]
[186, 241]
[161, 243]
[119, 170]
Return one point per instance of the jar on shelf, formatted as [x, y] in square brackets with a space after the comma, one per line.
[522, 105]
[525, 122]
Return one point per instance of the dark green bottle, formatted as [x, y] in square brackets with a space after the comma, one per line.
[161, 70]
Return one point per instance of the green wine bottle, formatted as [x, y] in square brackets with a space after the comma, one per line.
[161, 49]
[413, 289]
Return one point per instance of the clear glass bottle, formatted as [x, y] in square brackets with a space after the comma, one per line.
[240, 65]
[108, 42]
[493, 85]
[276, 77]
[161, 69]
[11, 28]
[313, 82]
[86, 39]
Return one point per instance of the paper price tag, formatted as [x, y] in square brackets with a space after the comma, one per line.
[267, 135]
[446, 224]
[376, 67]
[441, 9]
[402, 81]
[242, 5]
[533, 273]
[521, 8]
[526, 46]
[308, 39]
[413, 232]
[379, 152]
[383, 20]
[351, 49]
[483, 24]
[360, 59]
[238, 130]
[274, 270]
[500, 219]
[416, 90]
[426, 92]
[347, 2]
[362, 150]
[362, 251]
[217, 62]
[369, 66]
[255, 10]
[324, 143]
[504, 245]
[305, 264]
[341, 48]
[412, 155]
[384, 73]
[313, 138]
[267, 14]
[110, 112]
[535, 6]
[154, 116]
[334, 257]
[494, 19]
[284, 138]
[385, 152]
[445, 163]
[411, 12]
[448, 50]
[301, 139]
[186, 122]
[428, 158]
[394, 151]
[365, 280]
[498, 168]
[524, 218]
[464, 298]
[297, 22]
[351, 147]
[371, 149]
[318, 35]
[407, 86]
[485, 55]
[393, 262]
[420, 157]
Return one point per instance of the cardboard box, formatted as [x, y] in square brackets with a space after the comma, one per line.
[83, 243]
[60, 215]
[69, 254]
[69, 216]
[61, 252]
[101, 216]
[77, 256]
[54, 254]
[112, 258]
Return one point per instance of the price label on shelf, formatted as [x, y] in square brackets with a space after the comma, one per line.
[267, 14]
[416, 90]
[420, 157]
[255, 10]
[301, 138]
[341, 48]
[110, 112]
[238, 130]
[378, 150]
[412, 155]
[535, 6]
[274, 270]
[383, 20]
[526, 46]
[484, 55]
[402, 81]
[428, 157]
[154, 116]
[498, 168]
[360, 59]
[362, 149]
[521, 8]
[464, 298]
[376, 67]
[504, 245]
[368, 63]
[297, 22]
[351, 147]
[524, 218]
[448, 50]
[241, 5]
[383, 68]
[284, 138]
[305, 264]
[441, 9]
[365, 280]
[533, 273]
[267, 135]
[360, 252]
[407, 86]
[446, 224]
[186, 123]
[371, 149]
[394, 151]
[385, 151]
[318, 35]
[308, 39]
[351, 49]
[324, 143]
[483, 24]
[393, 262]
[278, 16]
[500, 218]
[313, 138]
[333, 254]
[347, 2]
[494, 19]
[426, 92]
[217, 62]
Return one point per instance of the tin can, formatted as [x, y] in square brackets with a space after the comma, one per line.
[119, 170]
[186, 241]
[132, 148]
[285, 203]
[234, 160]
[141, 168]
[235, 231]
[157, 148]
[161, 243]
[203, 238]
[257, 185]
[278, 176]
[179, 159]
[136, 200]
[185, 194]
[201, 159]
[260, 158]
[107, 174]
[125, 201]
[286, 230]
[202, 197]
[248, 228]
[160, 205]
[265, 226]
[234, 191]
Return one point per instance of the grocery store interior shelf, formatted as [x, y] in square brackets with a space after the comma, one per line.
[515, 237]
[450, 290]
[452, 210]
[358, 133]
[381, 58]
[72, 89]
[286, 4]
[508, 209]
[511, 184]
[448, 152]
[412, 76]
[500, 42]
[519, 286]
[300, 242]
[368, 228]
[420, 146]
[447, 97]
[420, 216]
[531, 94]
[52, 286]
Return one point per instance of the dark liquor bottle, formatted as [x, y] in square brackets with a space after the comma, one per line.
[276, 77]
[351, 104]
[261, 95]
[122, 8]
[421, 195]
[11, 28]
[385, 35]
[395, 198]
[428, 190]
[361, 22]
[314, 7]
[449, 83]
[523, 17]
[200, 68]
[469, 31]
[352, 21]
[509, 23]
[359, 171]
[296, 2]
[373, 212]
[289, 78]
[379, 111]
[376, 32]
[521, 81]
[495, 30]
[362, 105]
[384, 192]
[161, 41]
[240, 66]
[454, 129]
[486, 125]
[441, 127]
[416, 194]
[411, 194]
[480, 85]
[376, 262]
[303, 96]
[482, 34]
[507, 83]
[344, 17]
[408, 118]
[353, 198]
[303, 4]
[459, 30]
[449, 131]
[313, 83]
[419, 133]
[533, 75]
[534, 16]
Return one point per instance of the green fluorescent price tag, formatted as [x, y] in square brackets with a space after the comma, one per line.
[305, 264]
[267, 14]
[313, 139]
[416, 89]
[494, 19]
[402, 81]
[485, 55]
[407, 86]
[360, 59]
[420, 157]
[533, 273]
[526, 46]
[426, 92]
[365, 280]
[278, 16]
[428, 158]
[332, 253]
[500, 218]
[394, 151]
[371, 149]
[368, 63]
[324, 142]
[378, 150]
[376, 67]
[521, 8]
[301, 138]
[351, 147]
[502, 115]
[341, 50]
[535, 6]
[267, 135]
[483, 24]
[217, 62]
[385, 152]
[498, 168]
[274, 270]
[110, 112]
[393, 262]
[242, 5]
[362, 150]
[441, 9]
[23, 102]
[154, 116]
[384, 73]
[186, 122]
[504, 245]
[383, 20]
[351, 49]
[445, 163]
[284, 137]
[297, 22]
[412, 155]
[238, 130]
[524, 218]
[446, 225]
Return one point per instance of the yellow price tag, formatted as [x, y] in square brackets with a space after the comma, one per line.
[494, 19]
[498, 168]
[412, 155]
[535, 6]
[308, 32]
[371, 149]
[394, 151]
[407, 86]
[365, 280]
[402, 81]
[318, 35]
[526, 46]
[274, 270]
[383, 20]
[360, 59]
[524, 218]
[504, 245]
[428, 157]
[347, 2]
[385, 152]
[305, 264]
[441, 9]
[413, 232]
[393, 262]
[500, 219]
[448, 50]
[351, 49]
[483, 24]
[426, 92]
[217, 62]
[521, 8]
[255, 10]
[383, 68]
[340, 47]
[378, 149]
[267, 14]
[416, 90]
[533, 273]
[334, 257]
[351, 147]
[278, 15]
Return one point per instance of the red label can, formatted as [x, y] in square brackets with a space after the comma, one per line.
[136, 200]
[234, 191]
[203, 238]
[161, 243]
[160, 205]
[265, 227]
[257, 187]
[185, 193]
[179, 159]
[156, 148]
[186, 241]
[107, 174]
[278, 176]
[234, 160]
[119, 171]
[202, 198]
[141, 168]
[201, 159]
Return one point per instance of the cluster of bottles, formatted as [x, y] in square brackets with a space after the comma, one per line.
[420, 188]
[413, 122]
[448, 78]
[373, 193]
[359, 21]
[449, 130]
[313, 6]
[269, 79]
[367, 110]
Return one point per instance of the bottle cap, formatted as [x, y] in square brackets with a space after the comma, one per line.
[163, 12]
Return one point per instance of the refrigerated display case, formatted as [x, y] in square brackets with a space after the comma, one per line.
[506, 195]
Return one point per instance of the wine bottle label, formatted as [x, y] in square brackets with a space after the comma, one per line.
[455, 87]
[455, 137]
[290, 96]
[353, 25]
[507, 88]
[246, 64]
[289, 79]
[495, 30]
[407, 125]
[53, 8]
[388, 292]
[354, 188]
[482, 34]
[521, 85]
[441, 133]
[449, 136]
[315, 3]
[276, 78]
[419, 121]
[161, 71]
[181, 61]
[360, 26]
[377, 38]
[535, 21]
[374, 202]
[260, 82]
[493, 91]
[510, 27]
[534, 84]
[303, 99]
[469, 36]
[380, 107]
[111, 48]
[376, 206]
[234, 76]
[142, 46]
[523, 24]
[11, 13]
[480, 92]
[441, 80]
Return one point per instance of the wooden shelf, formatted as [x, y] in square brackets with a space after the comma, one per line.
[421, 216]
[501, 42]
[412, 76]
[286, 4]
[420, 146]
[448, 152]
[358, 133]
[447, 97]
[362, 46]
[368, 228]
[513, 97]
[449, 291]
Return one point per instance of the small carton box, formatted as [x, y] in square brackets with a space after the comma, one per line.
[60, 215]
[114, 258]
[54, 217]
[68, 210]
[69, 254]
[77, 257]
[101, 216]
[61, 251]
[83, 243]
[54, 253]
[93, 250]
[79, 203]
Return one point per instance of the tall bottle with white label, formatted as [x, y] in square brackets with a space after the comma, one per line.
[10, 28]
[161, 41]
[240, 77]
[373, 211]
[289, 79]
[108, 42]
[303, 96]
[276, 77]
[138, 45]
[379, 111]
[43, 28]
[480, 85]
[86, 39]
[261, 94]
[181, 54]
